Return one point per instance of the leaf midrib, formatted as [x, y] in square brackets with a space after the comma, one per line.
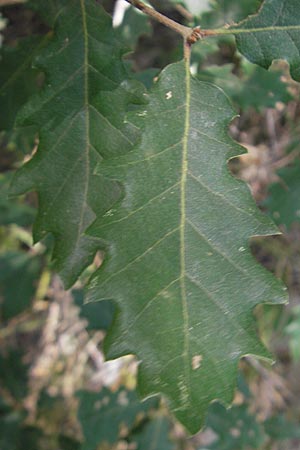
[256, 30]
[87, 122]
[184, 170]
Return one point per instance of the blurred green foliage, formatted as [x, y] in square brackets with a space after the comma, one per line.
[116, 414]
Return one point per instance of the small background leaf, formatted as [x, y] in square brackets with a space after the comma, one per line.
[13, 211]
[283, 202]
[134, 25]
[103, 415]
[18, 79]
[15, 297]
[155, 435]
[257, 89]
[229, 11]
[99, 315]
[235, 428]
[278, 41]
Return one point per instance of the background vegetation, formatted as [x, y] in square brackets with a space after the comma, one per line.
[56, 390]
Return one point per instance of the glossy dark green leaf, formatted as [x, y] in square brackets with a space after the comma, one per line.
[18, 79]
[102, 415]
[179, 264]
[15, 297]
[80, 118]
[283, 201]
[273, 33]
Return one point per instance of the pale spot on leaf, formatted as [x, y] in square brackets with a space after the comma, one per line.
[196, 361]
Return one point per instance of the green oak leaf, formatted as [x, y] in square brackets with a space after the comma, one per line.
[80, 119]
[102, 415]
[273, 33]
[179, 265]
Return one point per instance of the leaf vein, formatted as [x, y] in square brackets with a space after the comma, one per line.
[156, 197]
[218, 194]
[106, 120]
[139, 257]
[236, 266]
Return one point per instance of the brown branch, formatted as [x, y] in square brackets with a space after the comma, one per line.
[190, 35]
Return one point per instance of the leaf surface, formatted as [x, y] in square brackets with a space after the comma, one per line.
[80, 118]
[273, 33]
[179, 264]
